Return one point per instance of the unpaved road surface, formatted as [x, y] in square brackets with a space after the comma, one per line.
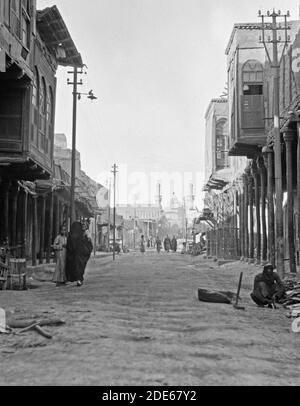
[138, 322]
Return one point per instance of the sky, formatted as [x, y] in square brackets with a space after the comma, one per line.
[154, 66]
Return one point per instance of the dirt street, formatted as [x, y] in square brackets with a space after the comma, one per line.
[138, 322]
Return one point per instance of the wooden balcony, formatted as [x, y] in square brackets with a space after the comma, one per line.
[248, 133]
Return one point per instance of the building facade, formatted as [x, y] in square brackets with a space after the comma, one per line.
[32, 45]
[247, 202]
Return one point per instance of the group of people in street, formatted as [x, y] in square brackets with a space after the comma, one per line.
[169, 245]
[72, 254]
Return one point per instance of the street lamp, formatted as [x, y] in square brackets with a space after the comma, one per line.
[76, 96]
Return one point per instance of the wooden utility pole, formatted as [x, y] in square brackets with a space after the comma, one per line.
[275, 65]
[50, 227]
[24, 224]
[42, 229]
[251, 220]
[108, 209]
[289, 137]
[256, 176]
[246, 216]
[75, 83]
[263, 177]
[269, 162]
[6, 212]
[114, 171]
[95, 233]
[34, 230]
[298, 180]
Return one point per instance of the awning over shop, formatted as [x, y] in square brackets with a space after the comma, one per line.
[57, 38]
[218, 180]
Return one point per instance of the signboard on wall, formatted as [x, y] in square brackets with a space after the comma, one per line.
[103, 198]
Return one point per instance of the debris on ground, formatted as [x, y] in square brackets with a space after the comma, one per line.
[292, 293]
[21, 325]
[2, 321]
[296, 325]
[28, 325]
[214, 296]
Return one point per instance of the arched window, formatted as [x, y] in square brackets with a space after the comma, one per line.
[35, 106]
[253, 72]
[252, 95]
[221, 144]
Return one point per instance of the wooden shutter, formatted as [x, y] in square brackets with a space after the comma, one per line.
[252, 112]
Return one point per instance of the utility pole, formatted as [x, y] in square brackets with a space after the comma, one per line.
[185, 222]
[114, 171]
[275, 62]
[76, 97]
[108, 225]
[135, 220]
[75, 83]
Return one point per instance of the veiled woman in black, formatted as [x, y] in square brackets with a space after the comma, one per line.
[79, 249]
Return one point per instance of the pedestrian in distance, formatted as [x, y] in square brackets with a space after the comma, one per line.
[174, 244]
[79, 249]
[158, 245]
[142, 245]
[60, 248]
[268, 288]
[167, 244]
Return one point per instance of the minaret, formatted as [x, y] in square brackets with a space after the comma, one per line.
[191, 197]
[159, 196]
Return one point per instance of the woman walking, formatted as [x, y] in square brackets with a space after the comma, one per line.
[79, 249]
[60, 245]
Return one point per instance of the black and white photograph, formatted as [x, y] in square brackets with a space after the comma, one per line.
[149, 196]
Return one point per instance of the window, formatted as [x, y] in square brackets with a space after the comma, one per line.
[250, 90]
[26, 4]
[26, 12]
[15, 17]
[7, 12]
[50, 120]
[25, 31]
[42, 115]
[35, 107]
[11, 114]
[221, 143]
[252, 102]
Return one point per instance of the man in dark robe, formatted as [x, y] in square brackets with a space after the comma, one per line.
[167, 244]
[174, 244]
[79, 249]
[268, 287]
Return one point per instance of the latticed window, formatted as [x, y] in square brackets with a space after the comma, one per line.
[43, 111]
[26, 12]
[35, 107]
[7, 12]
[16, 17]
[27, 6]
[50, 119]
[221, 143]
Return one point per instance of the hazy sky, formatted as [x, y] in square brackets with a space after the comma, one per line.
[155, 65]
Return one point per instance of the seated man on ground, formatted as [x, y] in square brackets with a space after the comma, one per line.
[268, 287]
